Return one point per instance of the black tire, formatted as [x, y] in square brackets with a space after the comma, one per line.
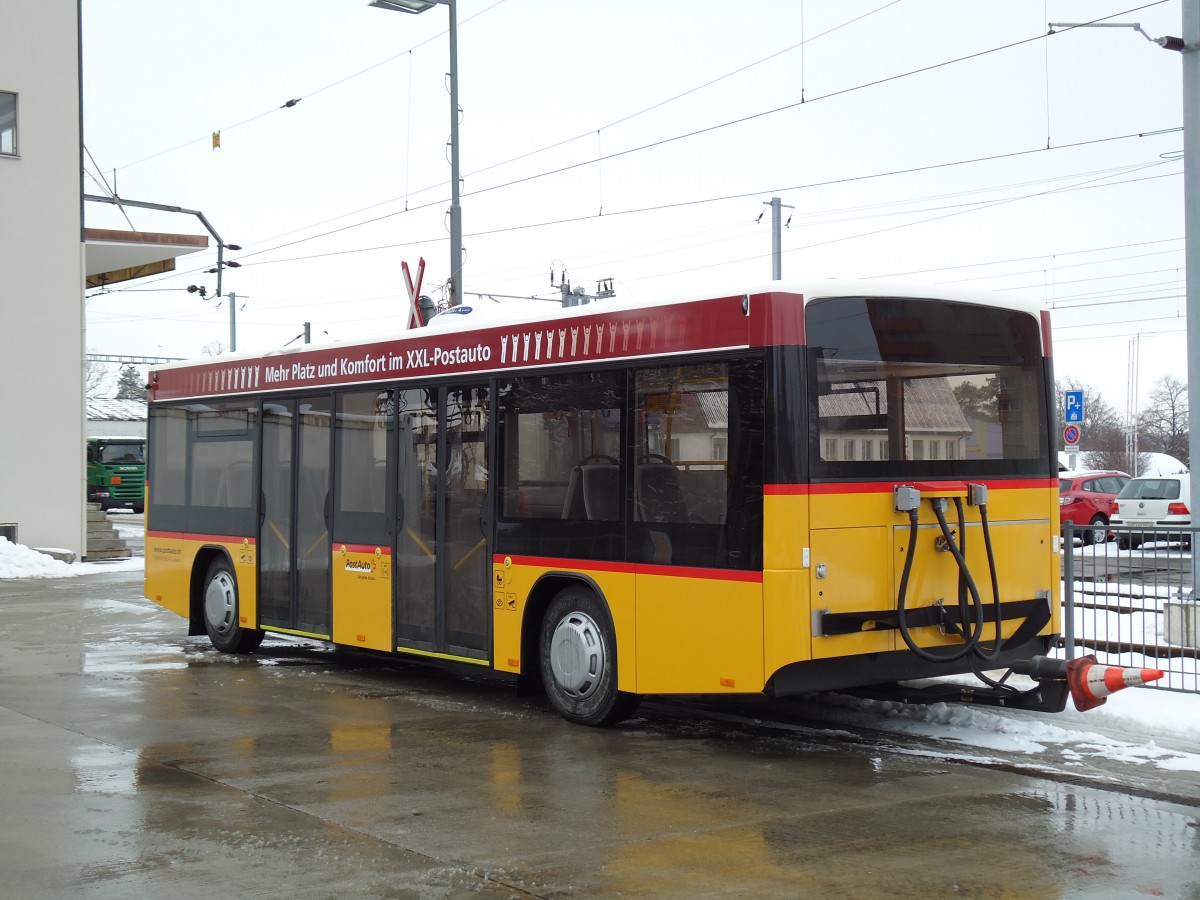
[219, 605]
[578, 657]
[1096, 532]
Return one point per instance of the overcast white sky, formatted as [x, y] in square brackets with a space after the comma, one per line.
[938, 141]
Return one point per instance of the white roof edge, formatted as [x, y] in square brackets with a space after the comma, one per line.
[520, 310]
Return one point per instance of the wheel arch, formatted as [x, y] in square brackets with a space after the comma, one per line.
[544, 590]
[204, 558]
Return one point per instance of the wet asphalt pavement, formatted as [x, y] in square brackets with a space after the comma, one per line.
[141, 763]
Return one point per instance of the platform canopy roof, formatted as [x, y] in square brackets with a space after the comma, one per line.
[113, 256]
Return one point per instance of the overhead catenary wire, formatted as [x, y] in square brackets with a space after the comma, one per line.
[659, 207]
[725, 197]
[289, 104]
[707, 129]
[496, 231]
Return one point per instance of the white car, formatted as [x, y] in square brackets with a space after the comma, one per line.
[1159, 501]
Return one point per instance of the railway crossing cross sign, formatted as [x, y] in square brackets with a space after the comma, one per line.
[1073, 407]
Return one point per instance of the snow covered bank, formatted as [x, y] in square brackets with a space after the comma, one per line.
[19, 561]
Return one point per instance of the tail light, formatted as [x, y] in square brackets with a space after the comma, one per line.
[1067, 500]
[1177, 509]
[1116, 509]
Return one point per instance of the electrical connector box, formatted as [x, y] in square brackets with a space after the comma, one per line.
[907, 498]
[977, 494]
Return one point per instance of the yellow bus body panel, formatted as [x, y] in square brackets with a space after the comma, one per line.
[859, 545]
[706, 630]
[705, 634]
[168, 572]
[699, 634]
[787, 608]
[362, 596]
[785, 530]
[513, 580]
[171, 558]
[787, 619]
[851, 572]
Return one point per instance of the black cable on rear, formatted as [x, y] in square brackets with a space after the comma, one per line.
[994, 654]
[974, 607]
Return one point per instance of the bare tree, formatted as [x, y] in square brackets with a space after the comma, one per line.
[95, 377]
[213, 348]
[1163, 426]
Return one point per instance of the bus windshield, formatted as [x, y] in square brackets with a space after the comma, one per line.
[916, 387]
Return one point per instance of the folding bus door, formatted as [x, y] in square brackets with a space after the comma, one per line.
[443, 598]
[294, 542]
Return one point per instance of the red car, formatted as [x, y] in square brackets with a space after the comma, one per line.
[1085, 499]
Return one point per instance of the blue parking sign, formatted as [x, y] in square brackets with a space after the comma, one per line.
[1073, 406]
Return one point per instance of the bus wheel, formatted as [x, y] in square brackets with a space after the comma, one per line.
[579, 661]
[221, 611]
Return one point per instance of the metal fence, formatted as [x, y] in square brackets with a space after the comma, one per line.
[1130, 601]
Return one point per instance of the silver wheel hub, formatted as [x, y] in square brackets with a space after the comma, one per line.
[577, 655]
[219, 604]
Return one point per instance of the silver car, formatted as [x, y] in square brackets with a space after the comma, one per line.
[1159, 502]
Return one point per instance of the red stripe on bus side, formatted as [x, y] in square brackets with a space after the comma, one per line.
[884, 487]
[590, 565]
[207, 538]
[362, 548]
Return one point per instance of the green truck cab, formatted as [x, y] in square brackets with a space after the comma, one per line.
[116, 472]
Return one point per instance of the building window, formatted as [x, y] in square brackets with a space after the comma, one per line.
[935, 449]
[830, 449]
[868, 449]
[848, 448]
[8, 123]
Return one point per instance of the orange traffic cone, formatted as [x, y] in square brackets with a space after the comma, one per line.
[1091, 683]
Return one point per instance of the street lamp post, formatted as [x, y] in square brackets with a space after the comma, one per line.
[419, 6]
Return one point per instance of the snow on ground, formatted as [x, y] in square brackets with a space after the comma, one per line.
[1134, 727]
[1135, 722]
[1156, 463]
[19, 561]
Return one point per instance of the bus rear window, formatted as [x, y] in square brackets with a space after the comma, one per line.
[910, 387]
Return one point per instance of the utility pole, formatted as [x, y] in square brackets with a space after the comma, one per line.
[1190, 57]
[233, 299]
[777, 208]
[1131, 406]
[456, 248]
[415, 7]
[1188, 48]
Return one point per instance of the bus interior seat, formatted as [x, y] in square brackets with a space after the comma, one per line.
[704, 492]
[592, 493]
[659, 493]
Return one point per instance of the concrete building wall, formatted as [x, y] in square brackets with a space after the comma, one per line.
[41, 278]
